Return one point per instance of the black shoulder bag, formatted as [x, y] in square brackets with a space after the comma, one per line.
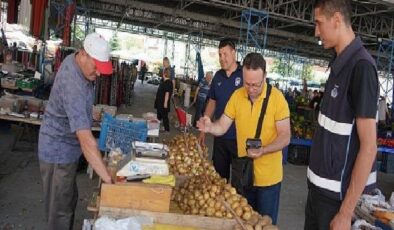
[242, 167]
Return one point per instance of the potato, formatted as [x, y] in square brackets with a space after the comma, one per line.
[210, 211]
[239, 211]
[194, 211]
[229, 215]
[249, 227]
[212, 194]
[247, 215]
[243, 201]
[265, 220]
[226, 195]
[218, 205]
[253, 219]
[211, 203]
[235, 205]
[270, 227]
[235, 198]
[191, 202]
[218, 214]
[247, 209]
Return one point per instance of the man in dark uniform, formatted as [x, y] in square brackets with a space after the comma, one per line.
[224, 83]
[343, 152]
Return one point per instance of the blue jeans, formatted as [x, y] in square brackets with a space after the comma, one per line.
[265, 200]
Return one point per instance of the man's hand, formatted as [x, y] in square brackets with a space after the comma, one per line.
[341, 221]
[204, 124]
[255, 153]
[107, 179]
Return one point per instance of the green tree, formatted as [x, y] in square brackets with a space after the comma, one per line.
[307, 72]
[282, 67]
[114, 42]
[79, 32]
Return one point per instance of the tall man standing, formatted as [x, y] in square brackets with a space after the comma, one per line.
[224, 83]
[341, 164]
[66, 130]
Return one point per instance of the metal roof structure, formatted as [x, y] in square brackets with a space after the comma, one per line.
[290, 23]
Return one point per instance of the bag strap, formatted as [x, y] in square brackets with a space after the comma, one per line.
[262, 114]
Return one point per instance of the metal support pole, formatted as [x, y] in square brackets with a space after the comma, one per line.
[165, 45]
[253, 31]
[385, 66]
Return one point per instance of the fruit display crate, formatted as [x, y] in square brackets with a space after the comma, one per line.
[117, 133]
[28, 84]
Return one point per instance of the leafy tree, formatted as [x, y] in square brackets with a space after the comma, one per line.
[114, 42]
[282, 67]
[307, 72]
[79, 32]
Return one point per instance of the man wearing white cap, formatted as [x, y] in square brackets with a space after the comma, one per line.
[66, 130]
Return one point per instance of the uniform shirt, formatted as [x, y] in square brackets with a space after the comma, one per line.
[204, 89]
[222, 87]
[69, 109]
[164, 87]
[268, 168]
[351, 92]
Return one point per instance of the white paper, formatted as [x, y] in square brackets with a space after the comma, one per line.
[37, 75]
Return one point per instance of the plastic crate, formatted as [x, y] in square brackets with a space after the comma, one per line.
[387, 164]
[120, 134]
[28, 83]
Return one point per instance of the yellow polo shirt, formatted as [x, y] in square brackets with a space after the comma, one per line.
[268, 168]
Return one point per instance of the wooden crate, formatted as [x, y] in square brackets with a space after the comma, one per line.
[136, 196]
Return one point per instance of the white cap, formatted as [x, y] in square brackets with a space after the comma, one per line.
[98, 48]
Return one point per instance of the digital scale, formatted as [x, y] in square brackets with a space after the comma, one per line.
[150, 150]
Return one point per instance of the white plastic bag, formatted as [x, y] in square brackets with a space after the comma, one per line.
[131, 223]
[362, 224]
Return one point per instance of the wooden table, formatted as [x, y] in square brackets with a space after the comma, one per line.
[31, 121]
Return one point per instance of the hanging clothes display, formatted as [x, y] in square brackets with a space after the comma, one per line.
[24, 15]
[38, 16]
[70, 10]
[12, 11]
[117, 89]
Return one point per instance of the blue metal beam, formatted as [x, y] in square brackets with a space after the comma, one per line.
[385, 66]
[253, 31]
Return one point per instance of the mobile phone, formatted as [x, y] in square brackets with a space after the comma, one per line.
[253, 143]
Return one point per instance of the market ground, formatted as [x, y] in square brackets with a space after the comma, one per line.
[21, 197]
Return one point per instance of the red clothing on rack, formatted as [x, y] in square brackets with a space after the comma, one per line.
[12, 11]
[37, 16]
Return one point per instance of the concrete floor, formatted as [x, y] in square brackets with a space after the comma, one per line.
[21, 199]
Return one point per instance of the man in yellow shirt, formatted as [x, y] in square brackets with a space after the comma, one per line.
[244, 108]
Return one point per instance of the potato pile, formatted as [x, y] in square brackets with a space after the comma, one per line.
[185, 157]
[208, 195]
[205, 192]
